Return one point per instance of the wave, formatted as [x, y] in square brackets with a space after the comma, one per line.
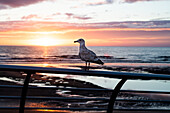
[163, 58]
[4, 56]
[76, 59]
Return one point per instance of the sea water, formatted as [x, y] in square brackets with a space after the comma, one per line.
[55, 54]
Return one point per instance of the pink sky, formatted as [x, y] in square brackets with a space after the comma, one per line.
[99, 22]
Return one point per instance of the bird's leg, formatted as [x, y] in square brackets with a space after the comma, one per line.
[85, 68]
[89, 64]
[88, 67]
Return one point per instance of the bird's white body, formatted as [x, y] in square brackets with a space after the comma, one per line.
[86, 54]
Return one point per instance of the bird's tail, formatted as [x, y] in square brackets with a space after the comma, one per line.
[99, 62]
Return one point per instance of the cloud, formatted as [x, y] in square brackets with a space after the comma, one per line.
[135, 24]
[159, 19]
[17, 3]
[80, 17]
[69, 15]
[29, 17]
[3, 7]
[100, 3]
[49, 26]
[132, 1]
[109, 1]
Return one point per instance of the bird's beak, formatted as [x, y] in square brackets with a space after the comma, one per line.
[75, 41]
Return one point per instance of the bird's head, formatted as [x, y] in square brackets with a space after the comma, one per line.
[80, 41]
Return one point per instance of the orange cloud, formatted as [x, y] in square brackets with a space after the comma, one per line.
[102, 34]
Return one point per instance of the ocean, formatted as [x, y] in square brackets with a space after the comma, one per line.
[55, 54]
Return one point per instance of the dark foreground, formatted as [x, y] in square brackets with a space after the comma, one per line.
[17, 78]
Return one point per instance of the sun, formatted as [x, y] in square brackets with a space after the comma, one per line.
[45, 41]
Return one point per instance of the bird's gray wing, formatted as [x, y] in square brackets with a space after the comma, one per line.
[87, 55]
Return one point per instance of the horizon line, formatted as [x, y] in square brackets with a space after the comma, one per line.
[76, 45]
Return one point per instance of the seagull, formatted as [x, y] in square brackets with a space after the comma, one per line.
[86, 54]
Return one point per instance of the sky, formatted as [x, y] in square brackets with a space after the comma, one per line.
[99, 22]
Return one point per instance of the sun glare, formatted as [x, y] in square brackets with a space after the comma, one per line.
[45, 41]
